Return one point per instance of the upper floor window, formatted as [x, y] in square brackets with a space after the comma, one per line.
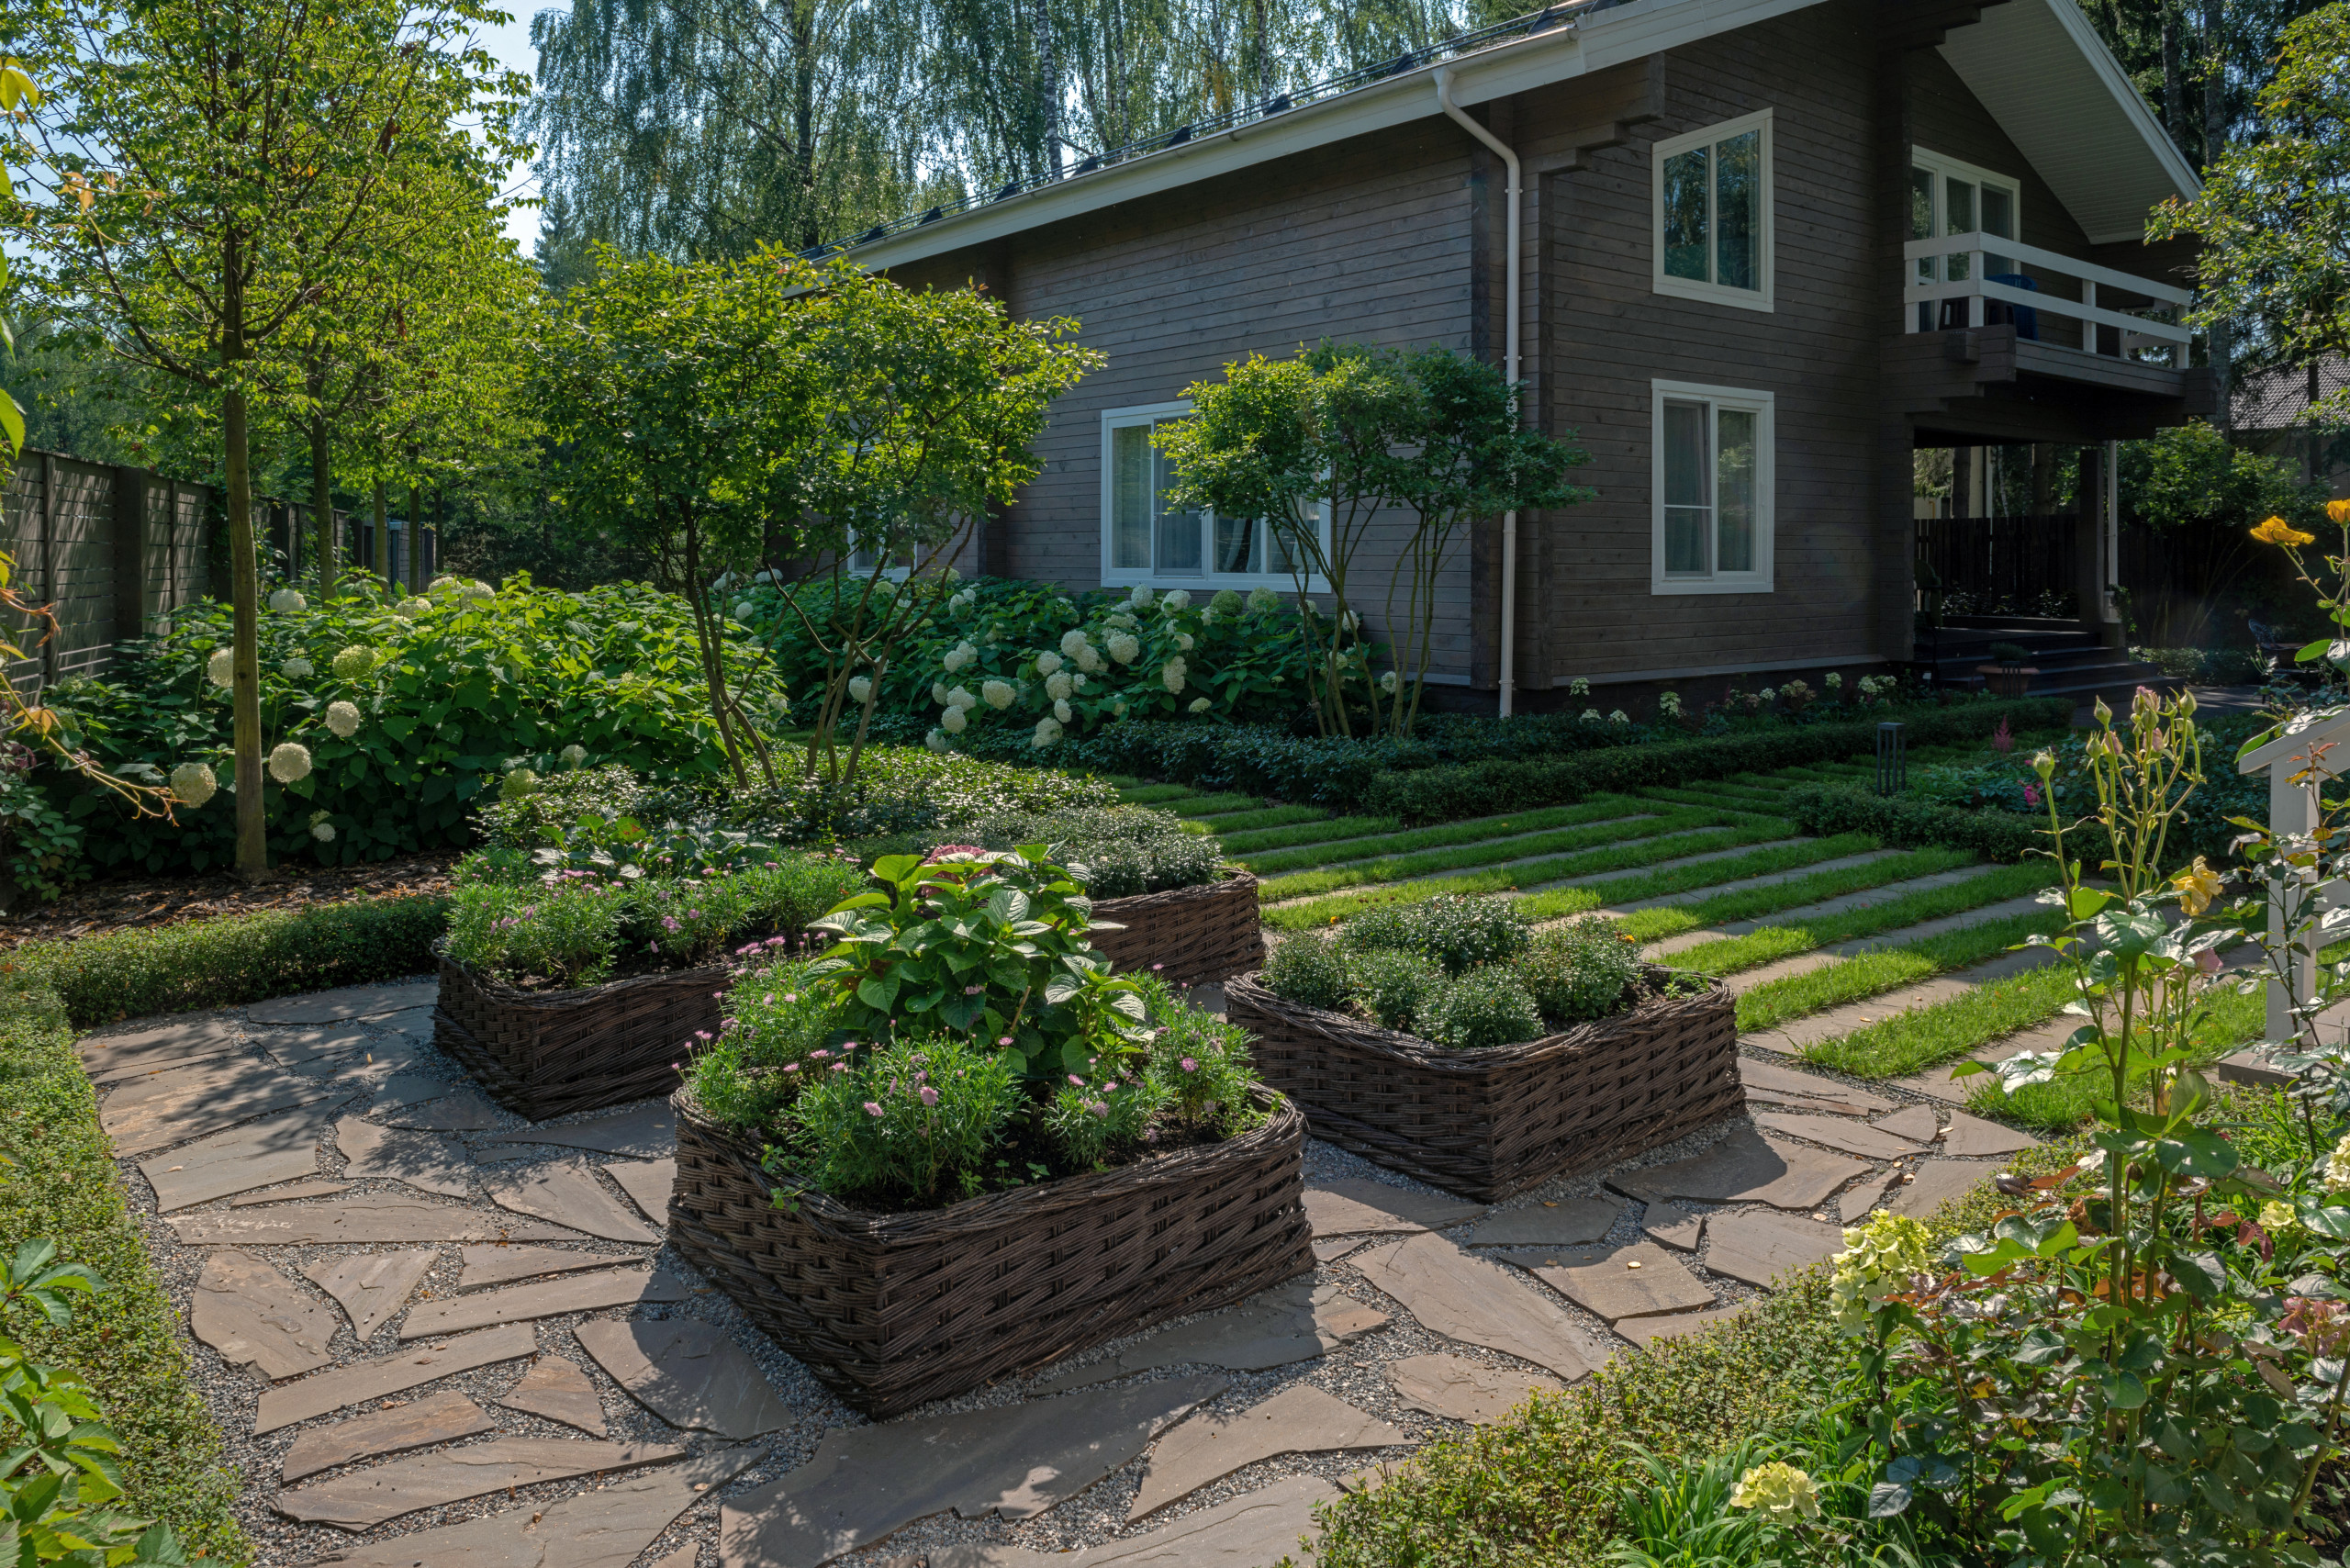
[1948, 198]
[1146, 538]
[1713, 213]
[1711, 494]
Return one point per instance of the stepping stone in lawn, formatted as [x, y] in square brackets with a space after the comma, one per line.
[607, 1526]
[431, 1481]
[689, 1374]
[1864, 1195]
[1462, 1296]
[1771, 1082]
[648, 1183]
[1646, 1331]
[1972, 1136]
[1639, 1281]
[255, 1316]
[348, 1002]
[555, 1388]
[370, 1287]
[1013, 1460]
[259, 1154]
[1938, 1182]
[1331, 1251]
[1570, 1222]
[1836, 1132]
[110, 1058]
[1289, 1323]
[1674, 1226]
[648, 1132]
[503, 1265]
[364, 1380]
[427, 1161]
[461, 1111]
[1302, 1419]
[188, 1103]
[372, 1217]
[1745, 1168]
[1347, 1208]
[568, 1194]
[1760, 1247]
[1462, 1390]
[544, 1298]
[435, 1419]
[287, 1194]
[329, 1043]
[1261, 1527]
[1918, 1123]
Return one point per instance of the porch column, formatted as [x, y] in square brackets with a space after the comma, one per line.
[2095, 568]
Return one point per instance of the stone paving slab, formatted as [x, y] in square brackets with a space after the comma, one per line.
[1745, 1168]
[648, 1183]
[555, 1388]
[646, 1132]
[370, 1287]
[1791, 1039]
[1301, 1419]
[1918, 1123]
[364, 1500]
[1674, 1226]
[349, 1002]
[1971, 1135]
[1570, 1222]
[181, 1041]
[431, 1161]
[1748, 884]
[362, 1381]
[1464, 1389]
[1760, 1247]
[1456, 1294]
[607, 1528]
[436, 1418]
[689, 1374]
[1864, 1195]
[1646, 1331]
[256, 1316]
[1938, 1182]
[1811, 1090]
[371, 1217]
[259, 1154]
[151, 1113]
[1248, 1532]
[1638, 1281]
[544, 1298]
[864, 1483]
[406, 1090]
[334, 1042]
[485, 1266]
[1346, 1207]
[456, 1111]
[1839, 1132]
[567, 1194]
[287, 1194]
[1290, 1323]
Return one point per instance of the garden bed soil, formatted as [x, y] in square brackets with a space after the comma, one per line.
[891, 1311]
[549, 1053]
[1189, 936]
[1489, 1123]
[127, 904]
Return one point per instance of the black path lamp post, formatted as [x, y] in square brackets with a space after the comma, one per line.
[1892, 764]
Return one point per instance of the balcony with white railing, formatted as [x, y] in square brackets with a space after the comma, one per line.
[1964, 281]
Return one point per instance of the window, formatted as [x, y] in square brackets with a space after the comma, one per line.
[1713, 214]
[1145, 539]
[1947, 198]
[1711, 476]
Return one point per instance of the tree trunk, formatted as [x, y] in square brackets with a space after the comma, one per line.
[414, 533]
[2220, 341]
[322, 506]
[383, 540]
[244, 577]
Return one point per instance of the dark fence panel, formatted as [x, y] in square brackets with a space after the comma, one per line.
[2001, 565]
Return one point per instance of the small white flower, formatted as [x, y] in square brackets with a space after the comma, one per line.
[1058, 685]
[1390, 681]
[220, 670]
[1618, 717]
[289, 763]
[937, 739]
[321, 829]
[342, 718]
[1048, 732]
[958, 697]
[860, 690]
[1118, 708]
[1201, 704]
[1046, 663]
[413, 608]
[1669, 704]
[1261, 599]
[1590, 715]
[1180, 600]
[298, 669]
[999, 693]
[193, 783]
[573, 756]
[1174, 675]
[954, 720]
[1768, 694]
[1579, 686]
[1125, 647]
[1184, 641]
[1073, 643]
[286, 601]
[1062, 711]
[1140, 597]
[938, 692]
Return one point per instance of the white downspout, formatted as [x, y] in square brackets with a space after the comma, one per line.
[1509, 372]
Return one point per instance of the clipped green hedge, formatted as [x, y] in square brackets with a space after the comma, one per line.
[1825, 808]
[60, 1182]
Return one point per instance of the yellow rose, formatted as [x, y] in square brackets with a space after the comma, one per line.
[2338, 512]
[2196, 887]
[2276, 531]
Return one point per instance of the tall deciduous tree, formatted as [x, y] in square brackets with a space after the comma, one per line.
[212, 168]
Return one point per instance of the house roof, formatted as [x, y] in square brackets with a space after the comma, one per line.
[2273, 399]
[2046, 41]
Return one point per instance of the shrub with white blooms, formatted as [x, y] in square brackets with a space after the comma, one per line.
[938, 692]
[1619, 717]
[1141, 599]
[413, 608]
[999, 693]
[1063, 711]
[1201, 704]
[1073, 643]
[1049, 730]
[1390, 681]
[860, 690]
[193, 783]
[1174, 675]
[1058, 685]
[289, 763]
[342, 718]
[959, 657]
[298, 669]
[1180, 600]
[954, 720]
[1590, 715]
[1184, 641]
[1046, 663]
[958, 697]
[220, 670]
[1118, 708]
[1579, 686]
[1090, 660]
[321, 829]
[354, 662]
[1125, 647]
[573, 756]
[1669, 704]
[1261, 599]
[286, 601]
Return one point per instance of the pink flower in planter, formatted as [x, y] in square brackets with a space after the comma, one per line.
[791, 996]
[1079, 1081]
[840, 1066]
[1189, 1065]
[929, 1095]
[872, 1109]
[701, 1033]
[1004, 1041]
[819, 1053]
[1100, 1108]
[669, 923]
[792, 1067]
[2030, 795]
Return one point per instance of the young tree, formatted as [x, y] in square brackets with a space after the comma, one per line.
[209, 168]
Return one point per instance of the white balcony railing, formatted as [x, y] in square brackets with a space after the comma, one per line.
[1961, 293]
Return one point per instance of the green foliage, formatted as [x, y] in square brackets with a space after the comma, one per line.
[910, 1121]
[2192, 473]
[1485, 1006]
[1202, 1061]
[1390, 987]
[1457, 933]
[1117, 851]
[776, 1038]
[41, 848]
[1902, 819]
[1308, 969]
[1093, 1117]
[566, 934]
[1580, 971]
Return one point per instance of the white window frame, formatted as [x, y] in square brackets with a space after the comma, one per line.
[1763, 406]
[1114, 576]
[1942, 166]
[1761, 298]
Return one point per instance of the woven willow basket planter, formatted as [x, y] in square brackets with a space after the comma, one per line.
[891, 1311]
[1194, 935]
[1489, 1123]
[547, 1053]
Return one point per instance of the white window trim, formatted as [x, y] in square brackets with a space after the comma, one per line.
[1764, 406]
[1113, 575]
[1942, 163]
[1713, 293]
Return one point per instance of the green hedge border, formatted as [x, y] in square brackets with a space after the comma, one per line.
[1996, 835]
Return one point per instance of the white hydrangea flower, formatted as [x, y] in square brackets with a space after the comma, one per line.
[1180, 600]
[1049, 730]
[1201, 704]
[1140, 597]
[1590, 715]
[860, 690]
[321, 829]
[1073, 643]
[2337, 1167]
[1090, 660]
[1174, 675]
[937, 739]
[1390, 681]
[193, 783]
[413, 608]
[1669, 704]
[1768, 694]
[286, 601]
[959, 657]
[342, 718]
[521, 783]
[1118, 708]
[1047, 661]
[938, 692]
[479, 589]
[742, 611]
[1184, 641]
[1261, 599]
[1081, 682]
[573, 756]
[1119, 621]
[1063, 711]
[1210, 616]
[958, 697]
[1618, 717]
[1350, 622]
[1058, 685]
[1880, 1260]
[289, 763]
[354, 662]
[954, 720]
[446, 585]
[298, 669]
[1579, 686]
[1833, 681]
[220, 670]
[999, 693]
[1125, 647]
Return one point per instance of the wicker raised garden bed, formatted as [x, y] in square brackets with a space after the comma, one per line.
[1196, 935]
[892, 1310]
[547, 1053]
[1489, 1123]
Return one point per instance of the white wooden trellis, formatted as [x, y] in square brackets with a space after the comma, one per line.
[2292, 809]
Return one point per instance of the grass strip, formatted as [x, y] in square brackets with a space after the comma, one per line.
[1734, 954]
[1874, 973]
[1135, 794]
[1211, 805]
[1250, 841]
[1329, 911]
[1600, 808]
[1667, 835]
[1247, 822]
[1753, 903]
[1914, 1041]
[1666, 882]
[1744, 799]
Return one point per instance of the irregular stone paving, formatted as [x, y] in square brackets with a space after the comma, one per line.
[465, 1343]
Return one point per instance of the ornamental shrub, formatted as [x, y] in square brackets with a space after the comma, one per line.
[1308, 969]
[1391, 987]
[1202, 1061]
[1117, 851]
[1455, 932]
[1579, 971]
[567, 936]
[1483, 1007]
[911, 1122]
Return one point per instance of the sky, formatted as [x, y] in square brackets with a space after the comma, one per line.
[511, 45]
